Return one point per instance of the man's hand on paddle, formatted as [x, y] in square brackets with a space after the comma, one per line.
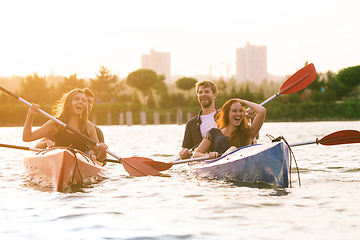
[185, 153]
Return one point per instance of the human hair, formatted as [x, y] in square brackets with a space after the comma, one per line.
[63, 108]
[207, 84]
[88, 93]
[241, 131]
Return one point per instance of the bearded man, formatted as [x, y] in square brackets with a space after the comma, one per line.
[197, 127]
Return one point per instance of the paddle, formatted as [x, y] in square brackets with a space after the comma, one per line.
[162, 166]
[190, 151]
[298, 81]
[20, 147]
[132, 165]
[335, 138]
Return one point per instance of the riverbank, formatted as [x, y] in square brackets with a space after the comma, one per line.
[118, 114]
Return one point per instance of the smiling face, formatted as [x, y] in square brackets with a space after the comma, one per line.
[79, 103]
[90, 103]
[205, 96]
[236, 114]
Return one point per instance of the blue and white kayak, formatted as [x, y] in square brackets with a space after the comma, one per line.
[268, 163]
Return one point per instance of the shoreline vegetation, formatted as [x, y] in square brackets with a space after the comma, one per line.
[145, 98]
[113, 114]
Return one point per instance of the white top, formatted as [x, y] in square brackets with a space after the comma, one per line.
[207, 123]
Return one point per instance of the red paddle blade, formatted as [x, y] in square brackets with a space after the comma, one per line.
[341, 137]
[299, 80]
[138, 168]
[159, 166]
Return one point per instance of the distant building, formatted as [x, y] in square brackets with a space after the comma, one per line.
[158, 62]
[251, 63]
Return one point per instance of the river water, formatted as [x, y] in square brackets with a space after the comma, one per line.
[179, 205]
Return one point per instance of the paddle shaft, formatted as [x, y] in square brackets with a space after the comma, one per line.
[335, 138]
[317, 141]
[296, 82]
[173, 163]
[20, 147]
[269, 99]
[57, 121]
[133, 167]
[190, 151]
[191, 160]
[284, 90]
[303, 143]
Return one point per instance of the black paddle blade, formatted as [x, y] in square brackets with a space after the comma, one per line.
[299, 80]
[340, 137]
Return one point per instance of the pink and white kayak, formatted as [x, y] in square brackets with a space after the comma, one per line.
[60, 168]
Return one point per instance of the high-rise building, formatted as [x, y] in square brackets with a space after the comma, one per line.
[158, 62]
[251, 63]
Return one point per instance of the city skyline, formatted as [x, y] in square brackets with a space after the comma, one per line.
[70, 37]
[160, 62]
[251, 64]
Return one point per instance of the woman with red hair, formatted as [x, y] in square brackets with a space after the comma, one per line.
[233, 129]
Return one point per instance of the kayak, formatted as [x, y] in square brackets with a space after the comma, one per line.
[60, 168]
[268, 163]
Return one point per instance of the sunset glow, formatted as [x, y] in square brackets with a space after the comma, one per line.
[67, 37]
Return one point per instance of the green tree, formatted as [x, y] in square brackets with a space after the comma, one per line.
[326, 88]
[221, 86]
[135, 101]
[33, 88]
[70, 83]
[178, 100]
[186, 83]
[247, 94]
[347, 80]
[330, 80]
[151, 102]
[316, 84]
[233, 93]
[143, 80]
[105, 86]
[165, 100]
[160, 86]
[161, 89]
[260, 95]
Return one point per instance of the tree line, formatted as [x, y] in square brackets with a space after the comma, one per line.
[144, 90]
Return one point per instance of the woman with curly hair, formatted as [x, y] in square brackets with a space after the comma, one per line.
[233, 129]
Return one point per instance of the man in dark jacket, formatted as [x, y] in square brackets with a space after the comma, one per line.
[197, 127]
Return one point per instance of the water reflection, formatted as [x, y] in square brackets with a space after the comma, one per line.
[260, 185]
[177, 204]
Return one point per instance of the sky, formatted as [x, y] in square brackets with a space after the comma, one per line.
[68, 37]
